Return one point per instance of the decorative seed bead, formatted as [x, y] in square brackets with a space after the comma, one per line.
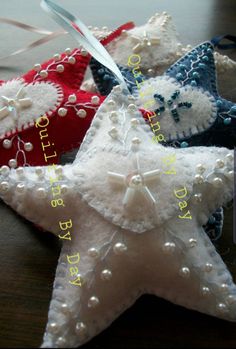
[200, 168]
[114, 116]
[169, 247]
[12, 163]
[41, 193]
[43, 74]
[219, 163]
[7, 144]
[119, 248]
[113, 133]
[72, 60]
[62, 112]
[72, 98]
[93, 302]
[217, 182]
[80, 328]
[231, 299]
[198, 179]
[4, 187]
[20, 188]
[106, 275]
[111, 104]
[68, 51]
[132, 108]
[134, 123]
[37, 67]
[5, 170]
[197, 198]
[205, 291]
[53, 327]
[28, 146]
[60, 68]
[20, 171]
[95, 100]
[184, 272]
[208, 267]
[224, 287]
[192, 242]
[81, 113]
[222, 308]
[93, 252]
[57, 57]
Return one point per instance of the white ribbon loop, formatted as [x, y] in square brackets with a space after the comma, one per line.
[83, 36]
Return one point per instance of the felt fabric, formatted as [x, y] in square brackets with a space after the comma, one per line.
[158, 44]
[52, 90]
[127, 247]
[197, 115]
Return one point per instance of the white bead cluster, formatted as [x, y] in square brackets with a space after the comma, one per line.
[79, 108]
[58, 64]
[27, 147]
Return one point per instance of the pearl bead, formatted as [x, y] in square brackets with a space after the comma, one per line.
[184, 272]
[230, 174]
[12, 163]
[111, 104]
[57, 57]
[53, 327]
[150, 71]
[81, 113]
[68, 51]
[219, 163]
[64, 308]
[72, 60]
[114, 116]
[60, 68]
[224, 287]
[132, 108]
[7, 144]
[169, 247]
[61, 342]
[95, 100]
[198, 179]
[231, 299]
[41, 193]
[208, 267]
[197, 198]
[221, 307]
[20, 171]
[4, 187]
[229, 157]
[117, 89]
[113, 133]
[37, 67]
[93, 302]
[106, 275]
[28, 146]
[64, 189]
[83, 52]
[200, 168]
[20, 188]
[43, 74]
[192, 242]
[62, 112]
[134, 122]
[39, 171]
[205, 291]
[136, 141]
[119, 248]
[217, 182]
[5, 170]
[80, 328]
[72, 98]
[93, 252]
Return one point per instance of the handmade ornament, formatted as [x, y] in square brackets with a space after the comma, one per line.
[188, 109]
[44, 113]
[144, 233]
[157, 43]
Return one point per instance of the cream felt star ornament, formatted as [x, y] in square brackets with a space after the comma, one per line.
[130, 214]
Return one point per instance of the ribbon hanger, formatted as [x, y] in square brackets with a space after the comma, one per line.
[81, 33]
[48, 35]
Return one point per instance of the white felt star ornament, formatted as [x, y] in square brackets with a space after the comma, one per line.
[120, 245]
